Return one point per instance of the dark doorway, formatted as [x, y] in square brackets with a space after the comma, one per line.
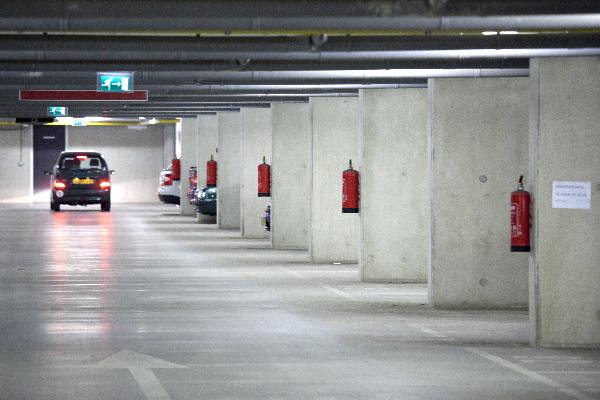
[48, 142]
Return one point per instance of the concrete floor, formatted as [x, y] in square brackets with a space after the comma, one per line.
[142, 303]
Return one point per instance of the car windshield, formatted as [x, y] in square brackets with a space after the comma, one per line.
[81, 163]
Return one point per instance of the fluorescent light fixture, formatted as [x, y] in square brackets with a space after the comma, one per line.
[509, 32]
[64, 120]
[489, 33]
[153, 121]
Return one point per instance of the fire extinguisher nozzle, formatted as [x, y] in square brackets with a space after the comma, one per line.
[520, 185]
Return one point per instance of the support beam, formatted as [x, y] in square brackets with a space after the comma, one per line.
[334, 236]
[229, 144]
[207, 146]
[395, 186]
[256, 144]
[189, 133]
[479, 149]
[290, 208]
[564, 140]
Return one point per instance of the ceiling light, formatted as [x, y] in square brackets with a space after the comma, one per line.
[489, 33]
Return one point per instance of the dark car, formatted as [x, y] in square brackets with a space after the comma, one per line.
[207, 200]
[80, 178]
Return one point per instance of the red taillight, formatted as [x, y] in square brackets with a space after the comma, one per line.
[167, 179]
[81, 157]
[104, 184]
[59, 185]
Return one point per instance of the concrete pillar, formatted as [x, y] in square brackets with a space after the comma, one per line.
[228, 180]
[189, 131]
[334, 236]
[565, 146]
[395, 186]
[479, 149]
[290, 194]
[169, 145]
[256, 143]
[207, 144]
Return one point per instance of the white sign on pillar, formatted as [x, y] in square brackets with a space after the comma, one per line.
[574, 195]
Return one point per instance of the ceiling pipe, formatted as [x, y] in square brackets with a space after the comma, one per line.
[34, 67]
[249, 77]
[160, 51]
[253, 90]
[89, 52]
[301, 24]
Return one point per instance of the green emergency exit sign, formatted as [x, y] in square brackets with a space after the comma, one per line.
[114, 81]
[55, 111]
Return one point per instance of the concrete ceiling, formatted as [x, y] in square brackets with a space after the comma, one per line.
[197, 56]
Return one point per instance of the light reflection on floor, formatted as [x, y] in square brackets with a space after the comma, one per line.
[247, 322]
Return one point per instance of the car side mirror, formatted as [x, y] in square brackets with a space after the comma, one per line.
[47, 173]
[112, 171]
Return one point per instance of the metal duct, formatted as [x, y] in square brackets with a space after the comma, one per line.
[243, 52]
[341, 24]
[298, 77]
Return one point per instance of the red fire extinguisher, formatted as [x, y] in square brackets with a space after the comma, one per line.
[211, 172]
[264, 179]
[520, 202]
[176, 169]
[350, 190]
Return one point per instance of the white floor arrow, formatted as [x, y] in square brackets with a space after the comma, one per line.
[140, 366]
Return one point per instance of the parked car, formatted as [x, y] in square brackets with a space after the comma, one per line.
[169, 188]
[206, 200]
[80, 178]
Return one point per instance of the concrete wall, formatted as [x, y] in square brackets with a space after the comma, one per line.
[256, 143]
[169, 145]
[480, 147]
[189, 141]
[565, 146]
[290, 197]
[228, 183]
[395, 186]
[135, 154]
[334, 236]
[207, 144]
[16, 165]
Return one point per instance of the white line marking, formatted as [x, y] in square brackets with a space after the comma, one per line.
[431, 332]
[149, 384]
[140, 366]
[571, 372]
[530, 374]
[322, 285]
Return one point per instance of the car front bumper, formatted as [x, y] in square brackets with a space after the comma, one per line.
[81, 197]
[168, 198]
[207, 207]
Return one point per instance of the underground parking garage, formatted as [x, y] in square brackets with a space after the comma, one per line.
[306, 200]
